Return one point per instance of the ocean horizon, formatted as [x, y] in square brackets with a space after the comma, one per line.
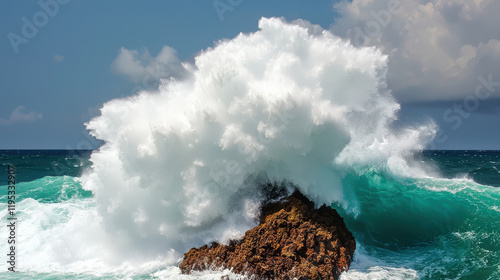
[228, 122]
[405, 227]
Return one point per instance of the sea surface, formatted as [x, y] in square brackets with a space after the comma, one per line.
[444, 226]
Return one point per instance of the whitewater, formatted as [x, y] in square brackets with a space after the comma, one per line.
[185, 165]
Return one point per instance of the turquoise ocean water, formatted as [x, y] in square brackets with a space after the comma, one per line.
[445, 226]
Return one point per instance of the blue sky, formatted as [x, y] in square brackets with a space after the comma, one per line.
[59, 78]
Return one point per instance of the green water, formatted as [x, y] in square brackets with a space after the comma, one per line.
[406, 228]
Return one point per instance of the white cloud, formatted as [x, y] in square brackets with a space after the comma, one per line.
[437, 49]
[58, 58]
[141, 67]
[18, 116]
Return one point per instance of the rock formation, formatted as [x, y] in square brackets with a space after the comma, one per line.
[293, 240]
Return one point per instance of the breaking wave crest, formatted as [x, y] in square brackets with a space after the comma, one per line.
[289, 103]
[187, 164]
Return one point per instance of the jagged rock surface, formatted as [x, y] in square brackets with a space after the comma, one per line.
[293, 240]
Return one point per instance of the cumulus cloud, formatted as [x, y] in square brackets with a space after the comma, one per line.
[18, 116]
[437, 49]
[141, 67]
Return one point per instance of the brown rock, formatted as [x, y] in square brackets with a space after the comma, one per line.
[293, 240]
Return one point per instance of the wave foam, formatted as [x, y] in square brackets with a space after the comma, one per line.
[291, 102]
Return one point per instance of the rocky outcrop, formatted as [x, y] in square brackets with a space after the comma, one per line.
[293, 240]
